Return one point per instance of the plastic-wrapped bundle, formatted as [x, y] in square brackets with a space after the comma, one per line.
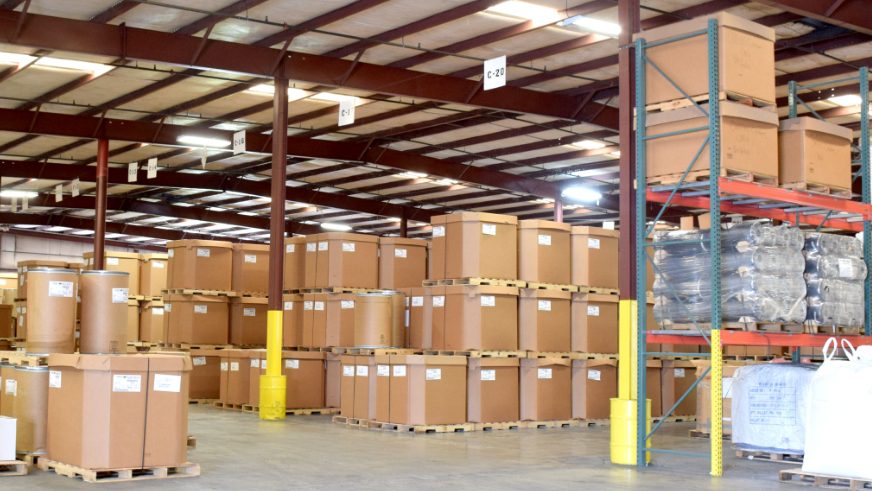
[834, 275]
[761, 274]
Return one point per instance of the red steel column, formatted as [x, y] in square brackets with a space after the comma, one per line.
[100, 204]
[404, 227]
[558, 211]
[277, 193]
[629, 18]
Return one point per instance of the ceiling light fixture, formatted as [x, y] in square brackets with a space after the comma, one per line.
[589, 144]
[411, 175]
[95, 69]
[203, 141]
[336, 227]
[17, 193]
[15, 59]
[526, 10]
[337, 98]
[590, 24]
[847, 100]
[578, 193]
[270, 90]
[445, 182]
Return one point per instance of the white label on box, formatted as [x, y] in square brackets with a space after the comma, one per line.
[157, 311]
[171, 253]
[234, 366]
[383, 371]
[203, 252]
[403, 253]
[362, 371]
[198, 361]
[348, 371]
[593, 243]
[399, 370]
[126, 383]
[292, 364]
[346, 304]
[120, 295]
[255, 363]
[323, 245]
[11, 387]
[224, 366]
[112, 261]
[439, 301]
[319, 305]
[311, 247]
[263, 364]
[727, 384]
[609, 225]
[433, 374]
[488, 375]
[679, 373]
[488, 301]
[168, 307]
[348, 247]
[61, 289]
[488, 229]
[439, 231]
[846, 268]
[593, 310]
[249, 312]
[308, 305]
[289, 305]
[201, 309]
[545, 305]
[251, 258]
[594, 375]
[54, 379]
[158, 264]
[544, 240]
[167, 383]
[544, 373]
[417, 301]
[290, 248]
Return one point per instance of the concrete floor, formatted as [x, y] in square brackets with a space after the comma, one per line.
[237, 451]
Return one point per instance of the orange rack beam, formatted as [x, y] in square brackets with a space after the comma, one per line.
[752, 338]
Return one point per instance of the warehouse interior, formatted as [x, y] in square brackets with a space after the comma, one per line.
[405, 239]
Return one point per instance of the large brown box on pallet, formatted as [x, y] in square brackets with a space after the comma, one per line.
[492, 390]
[339, 319]
[418, 337]
[434, 317]
[594, 257]
[380, 386]
[196, 319]
[248, 321]
[346, 385]
[543, 251]
[749, 141]
[294, 263]
[346, 259]
[704, 391]
[481, 317]
[364, 376]
[745, 53]
[428, 389]
[292, 320]
[310, 261]
[594, 384]
[205, 374]
[200, 264]
[653, 378]
[314, 320]
[811, 151]
[546, 389]
[133, 313]
[676, 378]
[544, 320]
[151, 322]
[235, 380]
[152, 274]
[482, 245]
[7, 328]
[256, 368]
[127, 262]
[438, 248]
[594, 323]
[250, 268]
[118, 411]
[304, 372]
[332, 379]
[402, 262]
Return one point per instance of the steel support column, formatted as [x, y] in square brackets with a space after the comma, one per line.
[273, 384]
[404, 227]
[100, 203]
[558, 211]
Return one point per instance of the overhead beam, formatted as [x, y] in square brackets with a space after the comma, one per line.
[853, 14]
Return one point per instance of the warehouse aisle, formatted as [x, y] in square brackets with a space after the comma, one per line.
[237, 451]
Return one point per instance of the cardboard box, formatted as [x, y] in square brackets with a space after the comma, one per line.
[304, 372]
[381, 388]
[295, 263]
[749, 141]
[704, 391]
[199, 264]
[745, 54]
[594, 384]
[428, 389]
[402, 262]
[348, 364]
[7, 326]
[248, 321]
[20, 319]
[594, 323]
[133, 320]
[333, 380]
[7, 438]
[594, 257]
[482, 245]
[151, 322]
[346, 259]
[653, 387]
[256, 368]
[29, 399]
[127, 262]
[492, 390]
[676, 378]
[543, 251]
[434, 317]
[438, 248]
[544, 320]
[546, 389]
[292, 320]
[118, 411]
[418, 337]
[205, 379]
[811, 151]
[196, 319]
[152, 274]
[235, 379]
[250, 268]
[339, 320]
[310, 261]
[481, 317]
[315, 320]
[364, 376]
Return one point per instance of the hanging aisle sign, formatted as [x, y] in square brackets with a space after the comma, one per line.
[239, 142]
[494, 73]
[74, 187]
[346, 111]
[132, 168]
[152, 168]
[59, 193]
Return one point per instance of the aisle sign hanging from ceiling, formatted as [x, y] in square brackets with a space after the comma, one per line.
[494, 73]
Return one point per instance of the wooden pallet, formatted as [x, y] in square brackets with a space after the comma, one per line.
[344, 420]
[705, 434]
[549, 354]
[192, 442]
[510, 425]
[541, 425]
[31, 459]
[833, 330]
[781, 458]
[376, 351]
[750, 357]
[229, 407]
[9, 468]
[189, 347]
[739, 326]
[593, 423]
[145, 298]
[249, 408]
[597, 290]
[207, 402]
[703, 98]
[705, 175]
[118, 475]
[675, 419]
[592, 356]
[249, 294]
[20, 358]
[478, 353]
[476, 282]
[191, 291]
[399, 428]
[808, 187]
[799, 476]
[338, 289]
[552, 286]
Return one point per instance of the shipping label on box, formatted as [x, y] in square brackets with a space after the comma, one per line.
[60, 289]
[488, 301]
[439, 231]
[417, 301]
[126, 383]
[290, 248]
[362, 371]
[433, 374]
[402, 253]
[346, 304]
[593, 243]
[201, 309]
[399, 370]
[249, 312]
[292, 364]
[544, 305]
[439, 301]
[255, 363]
[488, 229]
[112, 261]
[348, 371]
[120, 295]
[234, 366]
[251, 258]
[158, 264]
[289, 305]
[593, 310]
[488, 375]
[224, 366]
[308, 305]
[311, 247]
[319, 305]
[167, 383]
[203, 252]
[11, 387]
[383, 371]
[198, 361]
[55, 378]
[544, 240]
[323, 245]
[543, 373]
[594, 375]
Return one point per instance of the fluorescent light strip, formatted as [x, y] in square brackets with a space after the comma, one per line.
[17, 193]
[203, 141]
[96, 69]
[596, 26]
[847, 100]
[526, 10]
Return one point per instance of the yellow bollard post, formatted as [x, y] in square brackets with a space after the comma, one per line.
[273, 384]
[623, 408]
[717, 404]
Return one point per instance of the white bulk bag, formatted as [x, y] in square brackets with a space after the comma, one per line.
[838, 438]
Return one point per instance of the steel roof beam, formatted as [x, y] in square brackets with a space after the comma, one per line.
[853, 14]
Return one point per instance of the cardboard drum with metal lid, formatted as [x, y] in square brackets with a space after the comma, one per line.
[374, 320]
[30, 407]
[104, 312]
[51, 305]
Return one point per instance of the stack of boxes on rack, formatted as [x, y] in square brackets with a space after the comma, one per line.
[8, 309]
